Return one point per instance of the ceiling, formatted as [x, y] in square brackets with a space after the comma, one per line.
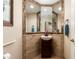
[37, 7]
[56, 8]
[47, 2]
[32, 10]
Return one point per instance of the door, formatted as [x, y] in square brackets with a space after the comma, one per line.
[69, 44]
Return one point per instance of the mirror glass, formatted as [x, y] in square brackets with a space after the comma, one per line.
[41, 17]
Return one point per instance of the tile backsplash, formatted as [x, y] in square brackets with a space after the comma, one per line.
[31, 45]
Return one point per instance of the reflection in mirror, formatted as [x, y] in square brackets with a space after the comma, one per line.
[44, 17]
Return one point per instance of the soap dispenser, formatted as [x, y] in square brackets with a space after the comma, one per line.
[33, 30]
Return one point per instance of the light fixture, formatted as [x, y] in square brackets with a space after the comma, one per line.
[45, 9]
[59, 8]
[31, 6]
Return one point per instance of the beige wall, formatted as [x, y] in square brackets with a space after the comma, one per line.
[14, 33]
[69, 52]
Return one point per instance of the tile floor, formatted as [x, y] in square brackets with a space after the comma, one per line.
[54, 57]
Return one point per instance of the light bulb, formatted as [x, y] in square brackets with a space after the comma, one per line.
[60, 8]
[45, 9]
[31, 6]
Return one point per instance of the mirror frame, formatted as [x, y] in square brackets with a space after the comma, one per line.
[9, 23]
[38, 22]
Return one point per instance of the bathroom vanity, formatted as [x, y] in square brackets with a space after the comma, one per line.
[46, 46]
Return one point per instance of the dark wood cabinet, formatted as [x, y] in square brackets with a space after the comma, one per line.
[46, 48]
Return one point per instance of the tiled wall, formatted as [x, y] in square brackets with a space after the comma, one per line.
[31, 45]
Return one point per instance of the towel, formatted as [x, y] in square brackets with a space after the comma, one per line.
[67, 30]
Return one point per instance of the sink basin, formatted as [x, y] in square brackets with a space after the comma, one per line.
[46, 37]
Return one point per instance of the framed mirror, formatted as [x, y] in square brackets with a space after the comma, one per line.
[7, 12]
[44, 17]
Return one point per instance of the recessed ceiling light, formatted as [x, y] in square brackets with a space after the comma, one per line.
[59, 8]
[31, 6]
[45, 9]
